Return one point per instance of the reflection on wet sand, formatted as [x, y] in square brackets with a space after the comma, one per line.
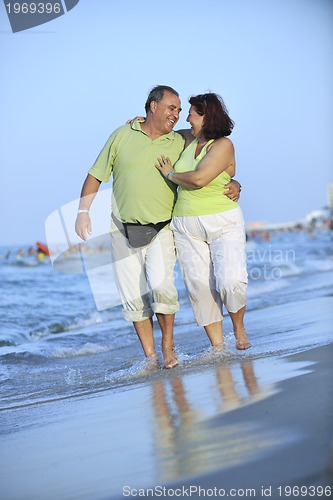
[188, 437]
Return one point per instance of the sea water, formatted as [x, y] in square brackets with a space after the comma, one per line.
[56, 343]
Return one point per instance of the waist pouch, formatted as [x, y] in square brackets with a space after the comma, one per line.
[139, 235]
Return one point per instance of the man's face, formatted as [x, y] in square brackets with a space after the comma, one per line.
[166, 112]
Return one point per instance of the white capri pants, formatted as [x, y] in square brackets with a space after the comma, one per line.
[211, 250]
[145, 276]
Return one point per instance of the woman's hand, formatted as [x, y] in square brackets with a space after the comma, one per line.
[164, 165]
[140, 119]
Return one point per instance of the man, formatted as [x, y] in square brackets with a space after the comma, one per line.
[142, 204]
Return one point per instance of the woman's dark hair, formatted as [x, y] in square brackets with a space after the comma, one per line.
[157, 93]
[217, 123]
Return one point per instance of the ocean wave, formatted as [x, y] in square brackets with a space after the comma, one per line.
[313, 265]
[270, 271]
[76, 323]
[83, 350]
[51, 351]
[264, 287]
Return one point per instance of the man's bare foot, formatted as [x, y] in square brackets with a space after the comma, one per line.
[242, 341]
[152, 361]
[170, 358]
[217, 348]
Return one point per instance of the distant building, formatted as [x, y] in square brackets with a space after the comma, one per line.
[330, 196]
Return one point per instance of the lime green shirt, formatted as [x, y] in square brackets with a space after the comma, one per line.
[201, 201]
[140, 192]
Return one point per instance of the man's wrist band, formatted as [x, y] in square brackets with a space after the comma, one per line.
[169, 173]
[83, 211]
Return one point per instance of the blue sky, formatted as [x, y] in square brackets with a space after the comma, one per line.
[66, 85]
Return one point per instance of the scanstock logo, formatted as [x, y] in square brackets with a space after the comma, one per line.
[24, 15]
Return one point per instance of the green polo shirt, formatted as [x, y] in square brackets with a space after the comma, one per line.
[140, 192]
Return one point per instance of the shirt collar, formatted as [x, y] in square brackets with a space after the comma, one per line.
[136, 126]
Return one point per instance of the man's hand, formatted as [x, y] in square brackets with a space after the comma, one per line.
[232, 190]
[83, 225]
[88, 193]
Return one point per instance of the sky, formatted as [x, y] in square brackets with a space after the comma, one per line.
[67, 84]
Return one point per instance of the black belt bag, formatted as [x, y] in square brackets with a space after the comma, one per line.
[139, 235]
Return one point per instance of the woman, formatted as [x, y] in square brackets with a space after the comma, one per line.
[208, 226]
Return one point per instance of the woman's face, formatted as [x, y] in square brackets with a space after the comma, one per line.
[196, 122]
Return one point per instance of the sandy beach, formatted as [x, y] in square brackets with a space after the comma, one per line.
[82, 420]
[255, 427]
[290, 435]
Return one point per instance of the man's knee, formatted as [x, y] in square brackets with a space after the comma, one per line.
[137, 309]
[165, 300]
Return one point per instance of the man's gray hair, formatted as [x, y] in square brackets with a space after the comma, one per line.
[157, 93]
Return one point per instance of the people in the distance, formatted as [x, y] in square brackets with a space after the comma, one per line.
[143, 249]
[209, 228]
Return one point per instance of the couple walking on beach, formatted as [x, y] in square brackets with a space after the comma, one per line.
[172, 191]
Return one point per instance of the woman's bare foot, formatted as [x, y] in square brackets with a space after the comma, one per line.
[170, 358]
[242, 341]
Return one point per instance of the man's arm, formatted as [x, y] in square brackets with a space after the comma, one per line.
[233, 190]
[186, 134]
[88, 193]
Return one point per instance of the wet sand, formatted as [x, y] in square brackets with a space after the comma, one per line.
[252, 424]
[293, 428]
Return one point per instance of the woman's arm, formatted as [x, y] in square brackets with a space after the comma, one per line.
[220, 157]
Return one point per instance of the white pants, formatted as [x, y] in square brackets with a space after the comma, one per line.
[212, 256]
[145, 276]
